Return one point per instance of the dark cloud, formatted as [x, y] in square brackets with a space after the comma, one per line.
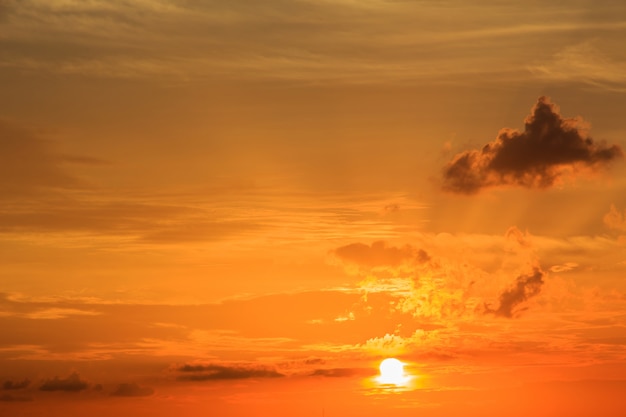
[339, 372]
[83, 160]
[14, 398]
[72, 383]
[221, 372]
[11, 385]
[525, 287]
[378, 254]
[549, 148]
[132, 390]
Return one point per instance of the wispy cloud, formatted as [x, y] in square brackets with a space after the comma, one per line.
[71, 383]
[216, 372]
[524, 288]
[584, 63]
[615, 219]
[283, 40]
[132, 390]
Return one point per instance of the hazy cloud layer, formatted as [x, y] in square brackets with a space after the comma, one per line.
[354, 42]
[28, 162]
[549, 149]
[132, 390]
[220, 372]
[524, 288]
[72, 383]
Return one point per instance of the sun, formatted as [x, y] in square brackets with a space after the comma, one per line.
[392, 372]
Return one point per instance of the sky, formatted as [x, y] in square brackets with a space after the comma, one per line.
[240, 207]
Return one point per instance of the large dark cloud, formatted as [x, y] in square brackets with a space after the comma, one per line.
[132, 390]
[379, 254]
[12, 385]
[213, 372]
[549, 148]
[72, 383]
[524, 288]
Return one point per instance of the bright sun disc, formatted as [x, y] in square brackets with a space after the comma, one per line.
[392, 372]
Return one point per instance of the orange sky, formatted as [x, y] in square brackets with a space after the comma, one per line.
[239, 208]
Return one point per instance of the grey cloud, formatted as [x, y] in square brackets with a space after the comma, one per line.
[339, 372]
[549, 148]
[213, 372]
[524, 288]
[379, 254]
[72, 383]
[132, 390]
[11, 385]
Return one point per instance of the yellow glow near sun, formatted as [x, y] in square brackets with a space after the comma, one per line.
[392, 372]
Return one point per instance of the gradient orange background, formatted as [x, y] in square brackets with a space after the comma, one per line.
[239, 208]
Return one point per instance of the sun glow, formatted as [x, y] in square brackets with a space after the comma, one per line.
[392, 372]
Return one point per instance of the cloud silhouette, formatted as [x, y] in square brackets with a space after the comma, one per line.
[221, 372]
[379, 254]
[549, 148]
[72, 383]
[525, 287]
[10, 385]
[340, 372]
[132, 390]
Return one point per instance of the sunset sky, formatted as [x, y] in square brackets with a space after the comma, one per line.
[240, 207]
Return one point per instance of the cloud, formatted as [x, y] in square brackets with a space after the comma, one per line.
[517, 237]
[14, 398]
[586, 63]
[28, 162]
[59, 313]
[72, 383]
[615, 219]
[567, 266]
[387, 345]
[379, 254]
[132, 390]
[549, 149]
[213, 372]
[278, 39]
[340, 372]
[525, 287]
[10, 385]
